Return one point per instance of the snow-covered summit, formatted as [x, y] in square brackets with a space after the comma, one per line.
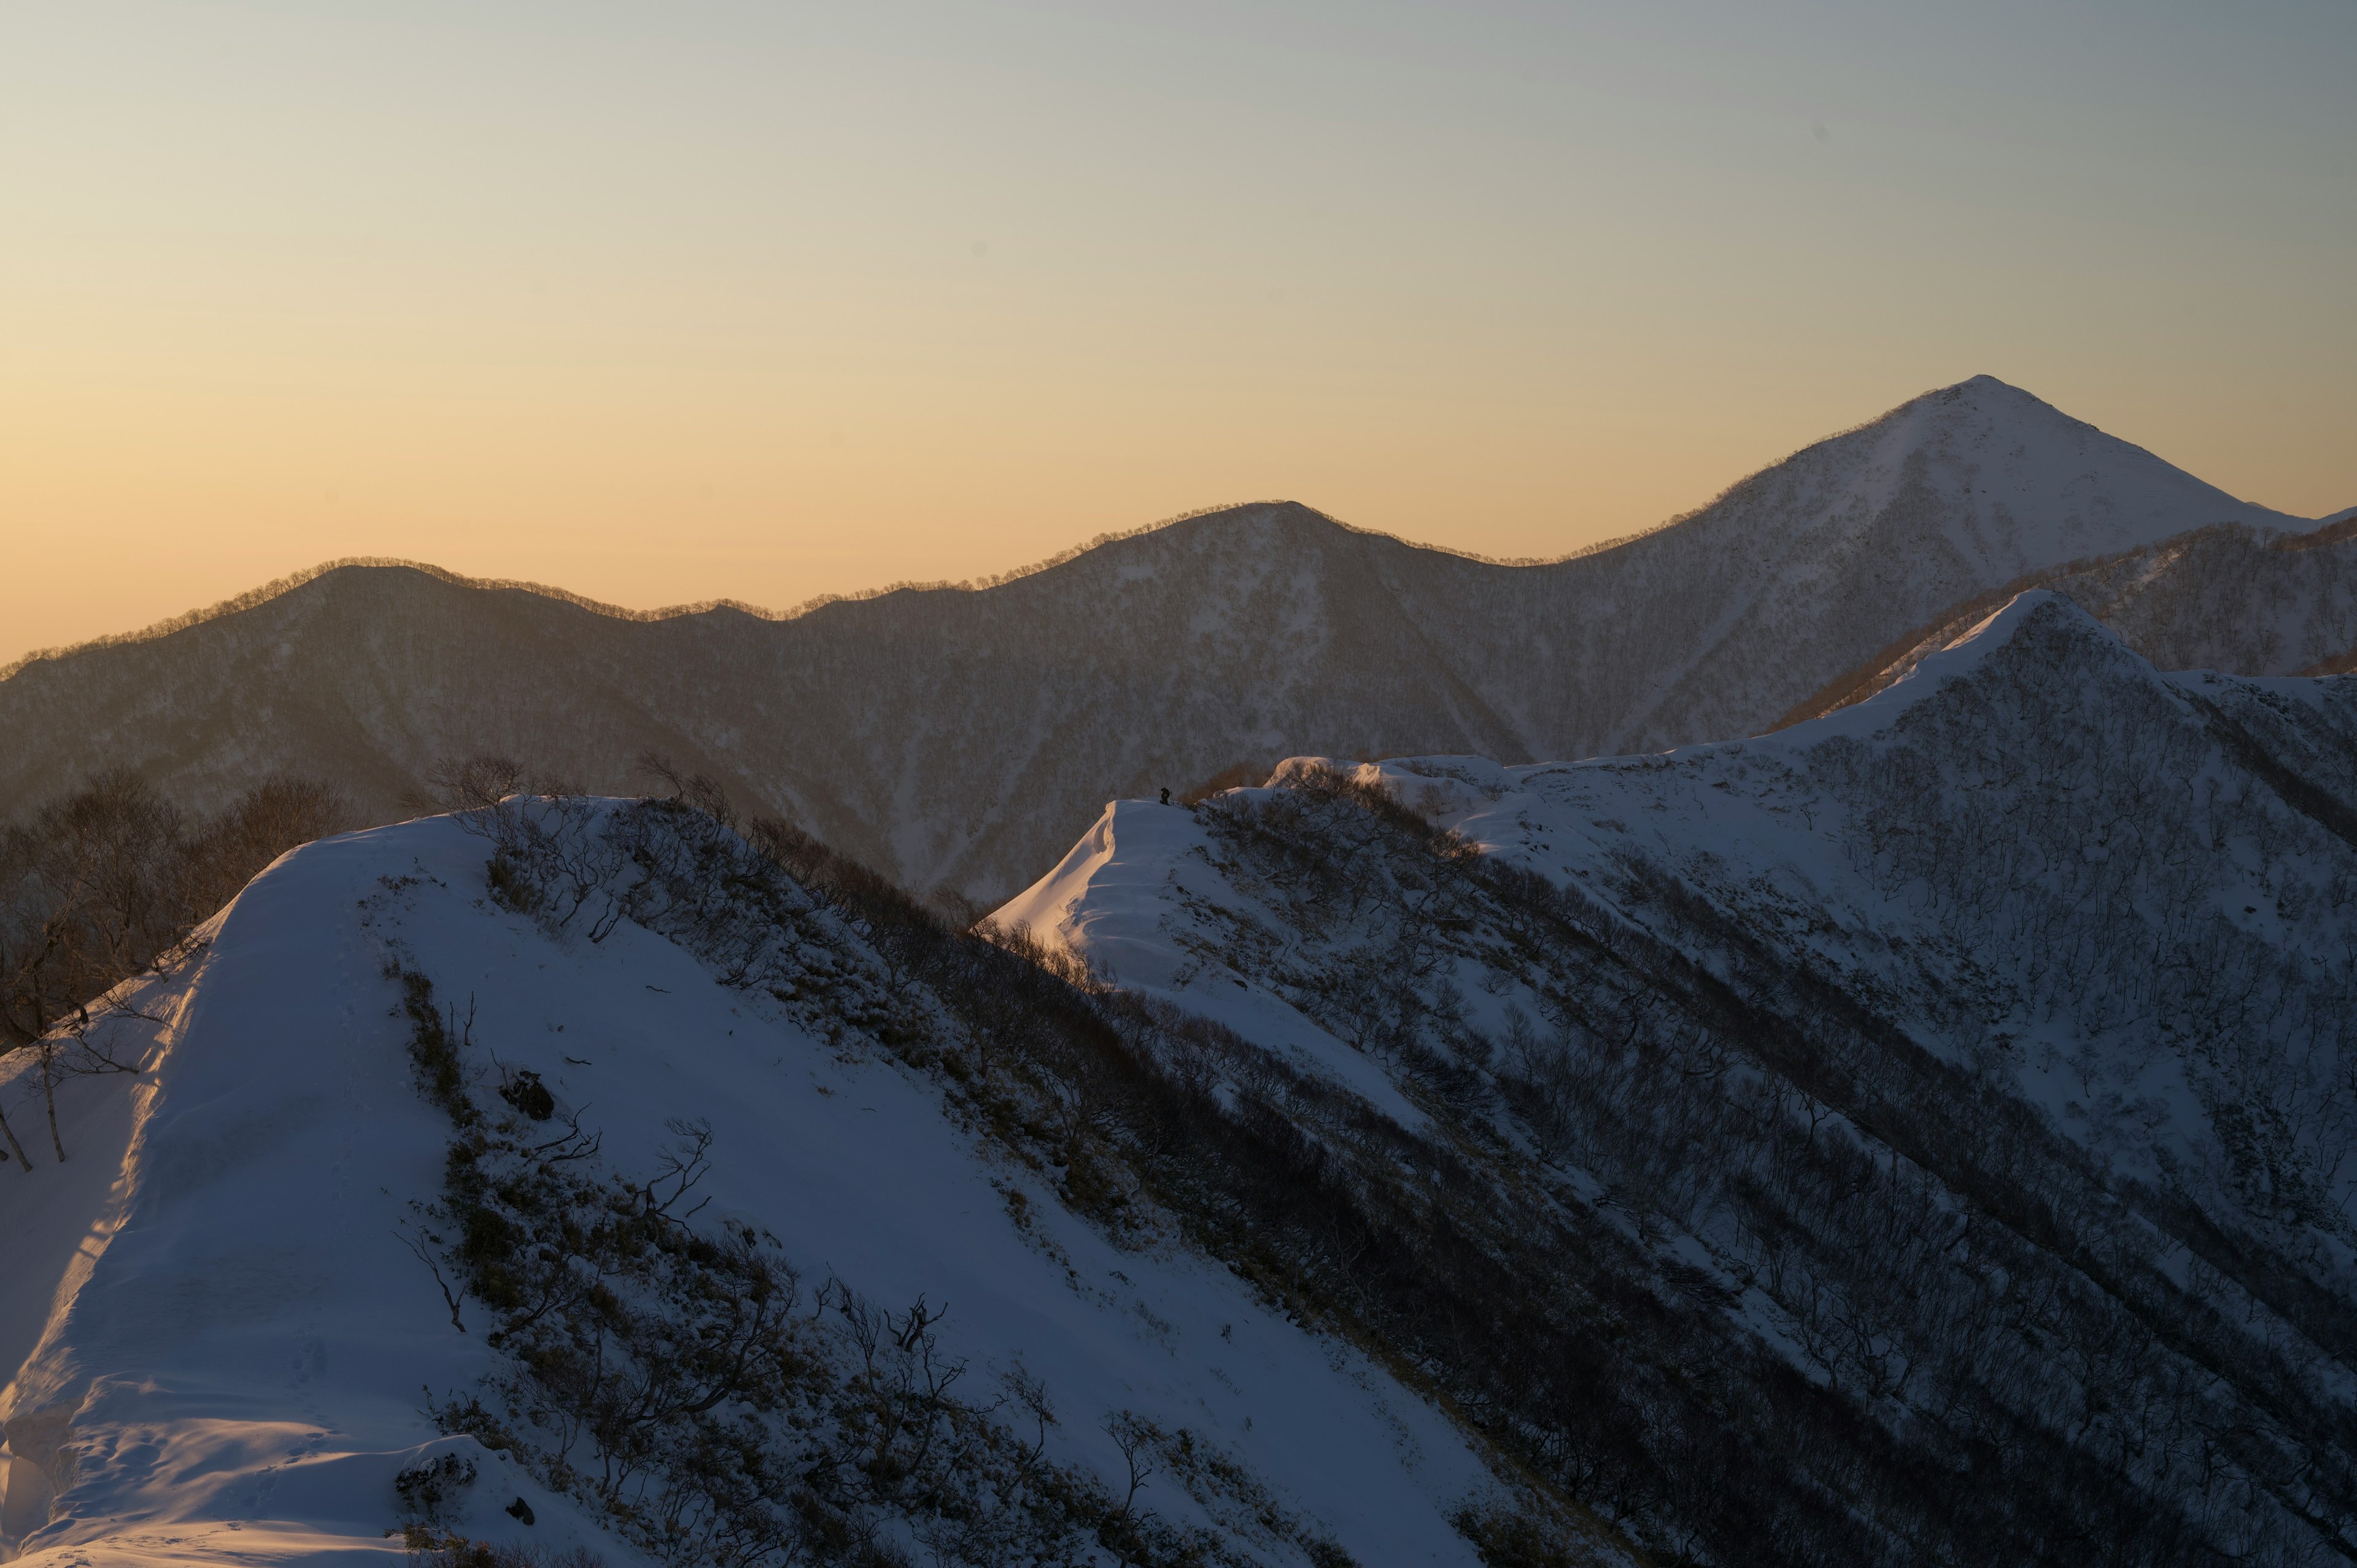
[1809, 564]
[2256, 601]
[2038, 484]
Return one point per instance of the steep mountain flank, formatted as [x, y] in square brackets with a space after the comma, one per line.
[1949, 1103]
[959, 738]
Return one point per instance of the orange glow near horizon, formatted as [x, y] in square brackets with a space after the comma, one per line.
[763, 304]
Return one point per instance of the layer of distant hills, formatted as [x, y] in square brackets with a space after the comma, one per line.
[960, 738]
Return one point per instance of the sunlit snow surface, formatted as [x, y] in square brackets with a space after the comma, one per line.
[226, 1349]
[1115, 898]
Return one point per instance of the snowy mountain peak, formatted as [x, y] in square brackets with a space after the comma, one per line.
[1985, 392]
[2026, 481]
[2231, 597]
[2065, 632]
[2038, 603]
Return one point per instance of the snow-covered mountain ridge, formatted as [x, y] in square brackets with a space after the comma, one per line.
[960, 738]
[1980, 1054]
[2253, 601]
[1921, 1135]
[465, 1199]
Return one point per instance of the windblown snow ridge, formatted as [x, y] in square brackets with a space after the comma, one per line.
[584, 1174]
[1960, 1082]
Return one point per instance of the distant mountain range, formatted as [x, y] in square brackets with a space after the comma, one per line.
[1917, 1126]
[959, 738]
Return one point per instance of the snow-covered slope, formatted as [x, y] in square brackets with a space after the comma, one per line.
[223, 1335]
[2254, 601]
[1982, 1052]
[1695, 632]
[1921, 1135]
[961, 738]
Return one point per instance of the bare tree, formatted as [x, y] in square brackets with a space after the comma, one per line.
[108, 884]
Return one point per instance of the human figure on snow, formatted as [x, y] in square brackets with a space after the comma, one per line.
[1166, 797]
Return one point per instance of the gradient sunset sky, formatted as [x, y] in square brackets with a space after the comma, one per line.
[666, 303]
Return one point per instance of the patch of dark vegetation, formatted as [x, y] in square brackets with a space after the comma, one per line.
[430, 1548]
[428, 1490]
[1983, 1357]
[1995, 1349]
[685, 1382]
[1954, 1275]
[1235, 776]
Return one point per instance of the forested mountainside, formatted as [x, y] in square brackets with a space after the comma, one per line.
[1921, 1135]
[581, 1182]
[960, 738]
[2254, 601]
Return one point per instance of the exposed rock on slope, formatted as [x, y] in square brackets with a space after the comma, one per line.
[960, 738]
[1962, 1083]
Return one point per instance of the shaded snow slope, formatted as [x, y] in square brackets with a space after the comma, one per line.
[2040, 959]
[1903, 842]
[961, 738]
[219, 1347]
[1106, 900]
